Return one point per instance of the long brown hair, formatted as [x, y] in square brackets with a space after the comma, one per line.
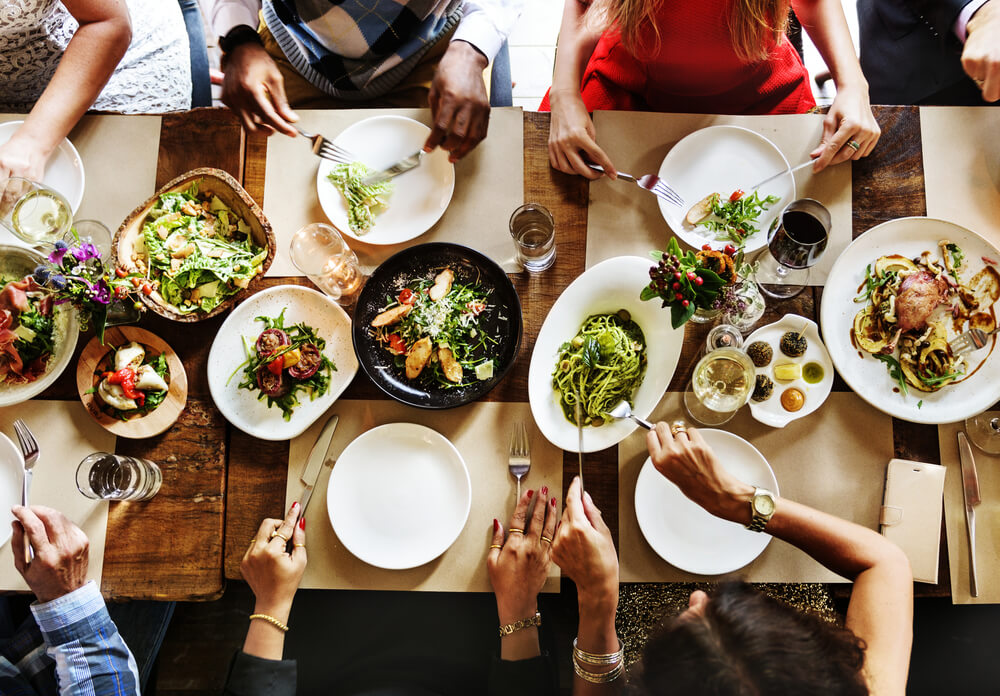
[753, 24]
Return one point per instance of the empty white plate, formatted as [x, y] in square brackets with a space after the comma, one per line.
[64, 171]
[399, 496]
[11, 480]
[420, 196]
[682, 532]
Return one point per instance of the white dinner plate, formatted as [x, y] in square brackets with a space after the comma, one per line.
[721, 159]
[241, 406]
[11, 481]
[604, 289]
[64, 170]
[771, 412]
[420, 196]
[868, 376]
[399, 496]
[682, 532]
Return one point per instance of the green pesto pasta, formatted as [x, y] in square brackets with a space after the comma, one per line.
[603, 364]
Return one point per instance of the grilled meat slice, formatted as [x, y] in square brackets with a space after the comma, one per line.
[918, 295]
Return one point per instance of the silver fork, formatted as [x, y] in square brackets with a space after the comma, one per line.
[651, 183]
[971, 340]
[30, 452]
[519, 461]
[327, 149]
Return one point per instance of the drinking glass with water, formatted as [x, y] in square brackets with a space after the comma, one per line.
[534, 235]
[106, 476]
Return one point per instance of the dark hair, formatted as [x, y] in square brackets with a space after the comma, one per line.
[748, 644]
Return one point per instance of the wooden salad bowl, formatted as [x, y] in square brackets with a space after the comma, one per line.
[95, 359]
[229, 192]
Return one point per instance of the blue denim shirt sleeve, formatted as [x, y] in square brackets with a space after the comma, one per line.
[90, 656]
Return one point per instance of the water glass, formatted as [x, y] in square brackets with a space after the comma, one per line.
[796, 241]
[93, 232]
[984, 431]
[35, 213]
[106, 476]
[721, 385]
[534, 235]
[323, 256]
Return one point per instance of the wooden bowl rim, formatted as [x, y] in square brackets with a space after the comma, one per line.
[165, 310]
[157, 420]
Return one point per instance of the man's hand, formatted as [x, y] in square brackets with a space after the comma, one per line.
[60, 563]
[459, 104]
[981, 56]
[254, 89]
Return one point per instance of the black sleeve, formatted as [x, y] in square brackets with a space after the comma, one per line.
[940, 15]
[532, 677]
[255, 676]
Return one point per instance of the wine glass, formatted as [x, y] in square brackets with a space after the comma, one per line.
[984, 431]
[35, 213]
[796, 241]
[91, 232]
[721, 384]
[321, 253]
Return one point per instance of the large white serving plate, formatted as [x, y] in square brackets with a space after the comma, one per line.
[682, 532]
[606, 288]
[722, 159]
[421, 195]
[868, 376]
[64, 170]
[11, 482]
[399, 496]
[241, 406]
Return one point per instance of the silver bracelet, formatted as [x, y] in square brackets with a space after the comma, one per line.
[598, 677]
[598, 659]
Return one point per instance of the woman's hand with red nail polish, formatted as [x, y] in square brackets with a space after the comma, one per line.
[272, 573]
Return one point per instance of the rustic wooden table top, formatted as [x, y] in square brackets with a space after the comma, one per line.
[219, 483]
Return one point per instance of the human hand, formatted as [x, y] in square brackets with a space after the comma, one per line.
[571, 132]
[273, 574]
[850, 120]
[585, 551]
[519, 568]
[22, 157]
[60, 562]
[688, 461]
[981, 56]
[253, 88]
[460, 107]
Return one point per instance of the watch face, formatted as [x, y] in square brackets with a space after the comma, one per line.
[763, 504]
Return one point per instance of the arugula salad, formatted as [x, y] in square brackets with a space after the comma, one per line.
[283, 362]
[198, 252]
[731, 218]
[363, 202]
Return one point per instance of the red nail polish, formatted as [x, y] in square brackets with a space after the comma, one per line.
[295, 504]
[545, 491]
[496, 525]
[530, 493]
[553, 502]
[302, 523]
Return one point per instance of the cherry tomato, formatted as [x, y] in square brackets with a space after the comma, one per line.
[276, 366]
[136, 282]
[476, 306]
[397, 343]
[406, 296]
[147, 289]
[737, 194]
[730, 249]
[706, 247]
[121, 272]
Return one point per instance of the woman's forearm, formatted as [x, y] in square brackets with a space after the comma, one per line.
[596, 634]
[826, 25]
[576, 44]
[264, 639]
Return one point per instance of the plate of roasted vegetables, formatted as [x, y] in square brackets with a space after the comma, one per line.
[895, 300]
[280, 360]
[437, 325]
[392, 211]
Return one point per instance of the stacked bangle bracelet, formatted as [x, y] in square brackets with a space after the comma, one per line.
[271, 620]
[581, 658]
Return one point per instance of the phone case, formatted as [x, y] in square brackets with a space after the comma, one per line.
[911, 514]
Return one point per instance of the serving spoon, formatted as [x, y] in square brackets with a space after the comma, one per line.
[622, 410]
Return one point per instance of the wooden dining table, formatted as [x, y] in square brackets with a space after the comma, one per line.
[219, 483]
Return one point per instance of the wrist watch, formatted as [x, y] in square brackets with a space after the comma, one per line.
[761, 509]
[237, 36]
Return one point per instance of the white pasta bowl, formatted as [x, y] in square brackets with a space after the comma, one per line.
[606, 288]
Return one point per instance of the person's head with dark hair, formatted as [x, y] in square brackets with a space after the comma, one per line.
[740, 642]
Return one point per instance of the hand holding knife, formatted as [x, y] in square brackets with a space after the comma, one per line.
[318, 455]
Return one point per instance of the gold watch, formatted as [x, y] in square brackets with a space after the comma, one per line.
[761, 509]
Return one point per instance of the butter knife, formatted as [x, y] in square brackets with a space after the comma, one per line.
[780, 174]
[970, 487]
[579, 432]
[314, 464]
[403, 165]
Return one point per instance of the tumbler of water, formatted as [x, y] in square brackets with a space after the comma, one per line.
[534, 235]
[105, 476]
[321, 253]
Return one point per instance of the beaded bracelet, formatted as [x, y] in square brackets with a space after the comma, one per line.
[271, 620]
[598, 659]
[535, 620]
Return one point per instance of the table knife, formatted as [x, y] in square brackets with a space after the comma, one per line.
[579, 432]
[403, 165]
[970, 487]
[780, 174]
[314, 464]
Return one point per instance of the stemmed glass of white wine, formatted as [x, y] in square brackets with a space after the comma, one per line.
[34, 212]
[984, 431]
[720, 386]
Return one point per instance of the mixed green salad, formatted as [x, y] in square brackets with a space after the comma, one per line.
[199, 252]
[363, 202]
[283, 362]
[731, 218]
[27, 331]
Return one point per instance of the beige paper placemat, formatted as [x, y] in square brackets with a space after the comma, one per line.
[987, 521]
[481, 432]
[833, 460]
[961, 147]
[66, 434]
[489, 185]
[623, 220]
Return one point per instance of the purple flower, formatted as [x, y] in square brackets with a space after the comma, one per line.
[56, 256]
[101, 292]
[86, 251]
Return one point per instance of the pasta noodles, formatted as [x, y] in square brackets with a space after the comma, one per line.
[602, 365]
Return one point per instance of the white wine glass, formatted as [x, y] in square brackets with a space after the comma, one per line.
[321, 253]
[984, 431]
[33, 212]
[720, 386]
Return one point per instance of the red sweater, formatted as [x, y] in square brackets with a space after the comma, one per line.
[696, 69]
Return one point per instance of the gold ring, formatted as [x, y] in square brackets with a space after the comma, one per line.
[275, 533]
[496, 546]
[513, 530]
[546, 539]
[678, 427]
[854, 144]
[299, 546]
[979, 81]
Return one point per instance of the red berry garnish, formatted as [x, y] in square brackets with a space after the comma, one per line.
[685, 303]
[691, 275]
[699, 280]
[730, 249]
[680, 297]
[706, 247]
[676, 286]
[678, 275]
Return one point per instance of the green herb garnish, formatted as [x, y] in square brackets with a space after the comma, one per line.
[735, 220]
[895, 370]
